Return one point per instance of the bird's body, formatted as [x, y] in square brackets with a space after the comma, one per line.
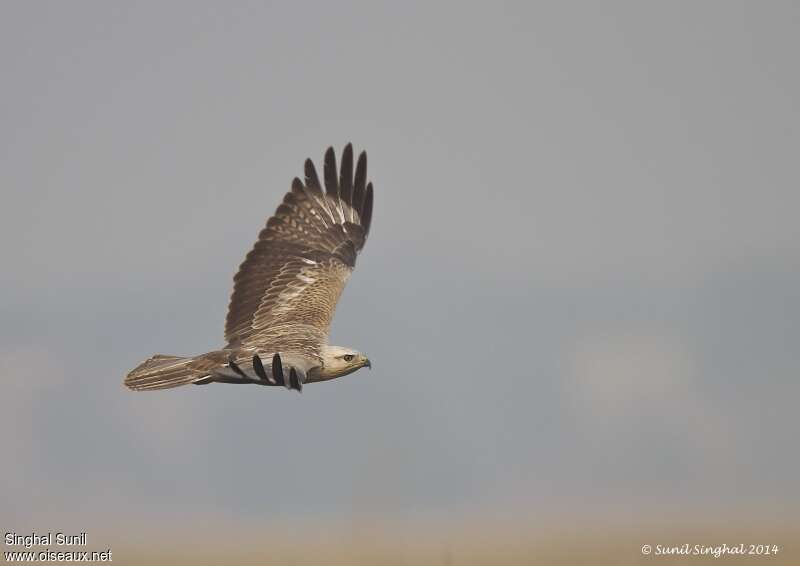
[286, 291]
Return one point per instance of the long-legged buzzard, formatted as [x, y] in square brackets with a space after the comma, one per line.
[286, 291]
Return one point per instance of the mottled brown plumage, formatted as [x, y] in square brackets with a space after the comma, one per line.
[286, 290]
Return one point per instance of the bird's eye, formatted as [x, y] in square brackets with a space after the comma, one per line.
[348, 357]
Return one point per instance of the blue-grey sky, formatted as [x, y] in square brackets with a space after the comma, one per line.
[582, 286]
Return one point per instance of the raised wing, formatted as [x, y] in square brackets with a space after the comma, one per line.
[286, 291]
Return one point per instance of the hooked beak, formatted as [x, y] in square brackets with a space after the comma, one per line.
[368, 363]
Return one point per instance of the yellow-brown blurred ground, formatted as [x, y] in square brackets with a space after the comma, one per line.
[379, 543]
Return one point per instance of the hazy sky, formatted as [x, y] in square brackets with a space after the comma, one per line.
[582, 285]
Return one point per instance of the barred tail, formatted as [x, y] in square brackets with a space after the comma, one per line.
[165, 372]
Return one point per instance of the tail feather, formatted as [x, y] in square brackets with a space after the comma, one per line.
[164, 372]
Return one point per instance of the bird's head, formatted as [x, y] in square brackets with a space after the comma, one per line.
[338, 361]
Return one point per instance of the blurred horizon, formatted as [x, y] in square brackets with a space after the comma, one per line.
[581, 291]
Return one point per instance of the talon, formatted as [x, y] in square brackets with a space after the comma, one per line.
[277, 370]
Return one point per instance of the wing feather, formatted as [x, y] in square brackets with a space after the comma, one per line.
[286, 290]
[360, 183]
[331, 182]
[366, 212]
[346, 180]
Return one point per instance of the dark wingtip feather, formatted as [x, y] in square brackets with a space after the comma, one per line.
[277, 370]
[360, 183]
[259, 368]
[329, 169]
[294, 381]
[235, 367]
[366, 215]
[312, 180]
[297, 185]
[346, 175]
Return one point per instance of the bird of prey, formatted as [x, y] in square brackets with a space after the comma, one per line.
[286, 290]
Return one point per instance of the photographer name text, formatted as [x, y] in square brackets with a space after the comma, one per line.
[45, 539]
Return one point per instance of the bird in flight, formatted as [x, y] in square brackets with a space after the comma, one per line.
[286, 291]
